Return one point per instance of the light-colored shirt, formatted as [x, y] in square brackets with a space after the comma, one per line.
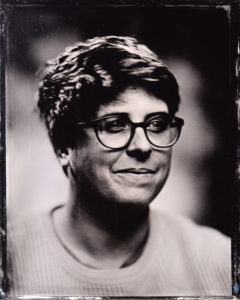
[180, 258]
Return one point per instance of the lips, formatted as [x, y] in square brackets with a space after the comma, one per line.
[138, 171]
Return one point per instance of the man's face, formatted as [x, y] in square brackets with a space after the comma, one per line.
[134, 174]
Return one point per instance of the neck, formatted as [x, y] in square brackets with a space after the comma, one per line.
[101, 232]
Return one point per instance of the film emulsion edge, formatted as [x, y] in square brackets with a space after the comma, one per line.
[3, 248]
[236, 92]
[3, 223]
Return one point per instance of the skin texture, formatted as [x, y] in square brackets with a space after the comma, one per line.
[107, 171]
[105, 222]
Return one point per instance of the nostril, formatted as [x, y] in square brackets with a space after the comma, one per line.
[139, 154]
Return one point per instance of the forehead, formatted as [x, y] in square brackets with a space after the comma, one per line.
[136, 102]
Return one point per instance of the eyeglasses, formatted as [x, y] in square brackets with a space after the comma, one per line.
[117, 131]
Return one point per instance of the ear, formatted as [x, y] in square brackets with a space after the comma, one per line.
[63, 156]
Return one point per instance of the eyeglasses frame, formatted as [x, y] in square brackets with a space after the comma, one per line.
[176, 121]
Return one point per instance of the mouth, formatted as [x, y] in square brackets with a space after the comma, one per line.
[136, 177]
[137, 171]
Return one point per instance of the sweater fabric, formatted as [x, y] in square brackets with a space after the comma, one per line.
[180, 258]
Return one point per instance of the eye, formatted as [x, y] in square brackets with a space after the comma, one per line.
[157, 125]
[114, 125]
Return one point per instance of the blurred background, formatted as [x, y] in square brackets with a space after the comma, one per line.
[193, 41]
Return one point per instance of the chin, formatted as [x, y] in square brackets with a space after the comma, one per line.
[135, 189]
[138, 194]
[134, 196]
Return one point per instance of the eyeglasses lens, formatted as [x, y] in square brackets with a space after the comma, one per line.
[164, 138]
[160, 133]
[115, 132]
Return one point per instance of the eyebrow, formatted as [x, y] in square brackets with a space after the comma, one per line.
[127, 115]
[113, 115]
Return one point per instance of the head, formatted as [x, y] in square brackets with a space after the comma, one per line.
[105, 76]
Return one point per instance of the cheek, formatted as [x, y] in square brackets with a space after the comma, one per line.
[94, 172]
[103, 163]
[162, 161]
[93, 162]
[165, 161]
[163, 156]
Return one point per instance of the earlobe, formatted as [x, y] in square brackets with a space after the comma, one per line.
[63, 157]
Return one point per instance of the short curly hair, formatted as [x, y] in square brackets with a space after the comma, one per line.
[89, 74]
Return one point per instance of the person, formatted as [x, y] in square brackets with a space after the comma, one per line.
[109, 105]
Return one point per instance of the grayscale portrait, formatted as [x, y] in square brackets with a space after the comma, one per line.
[120, 151]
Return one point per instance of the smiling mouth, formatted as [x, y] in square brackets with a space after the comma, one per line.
[138, 171]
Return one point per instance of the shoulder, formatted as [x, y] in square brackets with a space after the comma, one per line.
[25, 225]
[196, 259]
[31, 252]
[182, 228]
[30, 231]
[201, 251]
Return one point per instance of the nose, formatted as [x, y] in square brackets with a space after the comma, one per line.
[139, 145]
